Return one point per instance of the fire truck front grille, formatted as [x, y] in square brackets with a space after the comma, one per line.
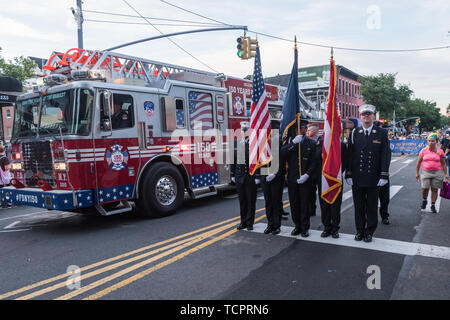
[38, 164]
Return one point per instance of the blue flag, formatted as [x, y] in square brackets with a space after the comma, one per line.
[291, 105]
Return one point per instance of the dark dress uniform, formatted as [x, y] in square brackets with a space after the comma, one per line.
[368, 163]
[331, 213]
[272, 196]
[299, 194]
[245, 183]
[385, 196]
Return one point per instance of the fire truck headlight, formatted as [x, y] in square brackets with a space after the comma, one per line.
[16, 166]
[60, 166]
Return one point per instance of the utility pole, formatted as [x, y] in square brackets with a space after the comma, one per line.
[78, 15]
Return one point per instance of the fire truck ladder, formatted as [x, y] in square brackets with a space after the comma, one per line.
[113, 66]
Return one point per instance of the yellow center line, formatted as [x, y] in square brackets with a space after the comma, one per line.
[160, 265]
[145, 262]
[114, 266]
[97, 264]
[108, 268]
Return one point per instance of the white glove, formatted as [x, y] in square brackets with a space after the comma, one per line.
[382, 182]
[303, 178]
[233, 179]
[349, 181]
[257, 181]
[297, 139]
[270, 177]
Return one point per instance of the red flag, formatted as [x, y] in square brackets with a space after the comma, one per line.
[331, 150]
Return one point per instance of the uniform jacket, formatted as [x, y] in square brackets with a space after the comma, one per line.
[344, 158]
[281, 165]
[240, 171]
[289, 152]
[369, 158]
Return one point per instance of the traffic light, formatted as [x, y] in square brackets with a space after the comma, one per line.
[242, 47]
[252, 44]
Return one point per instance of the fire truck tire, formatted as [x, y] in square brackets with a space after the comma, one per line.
[161, 191]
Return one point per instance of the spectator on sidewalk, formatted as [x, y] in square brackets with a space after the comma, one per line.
[5, 175]
[434, 169]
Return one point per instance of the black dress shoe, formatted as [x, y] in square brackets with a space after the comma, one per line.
[268, 230]
[335, 235]
[325, 234]
[385, 221]
[249, 228]
[295, 232]
[305, 234]
[358, 237]
[276, 231]
[241, 226]
[368, 238]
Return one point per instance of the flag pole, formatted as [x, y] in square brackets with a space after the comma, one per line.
[298, 118]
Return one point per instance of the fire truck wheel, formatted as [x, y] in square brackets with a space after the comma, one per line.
[161, 191]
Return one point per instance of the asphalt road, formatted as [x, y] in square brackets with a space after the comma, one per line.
[198, 254]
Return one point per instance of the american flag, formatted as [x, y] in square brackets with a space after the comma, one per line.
[200, 109]
[260, 130]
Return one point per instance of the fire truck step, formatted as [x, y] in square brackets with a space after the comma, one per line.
[125, 206]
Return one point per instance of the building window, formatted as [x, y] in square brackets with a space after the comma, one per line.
[8, 113]
[8, 132]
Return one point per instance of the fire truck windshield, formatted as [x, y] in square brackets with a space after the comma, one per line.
[71, 110]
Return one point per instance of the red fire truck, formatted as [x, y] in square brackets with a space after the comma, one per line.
[105, 129]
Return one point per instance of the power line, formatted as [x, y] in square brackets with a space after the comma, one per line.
[141, 23]
[184, 50]
[150, 18]
[194, 13]
[315, 44]
[351, 49]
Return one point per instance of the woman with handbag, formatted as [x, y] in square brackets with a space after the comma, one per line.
[434, 169]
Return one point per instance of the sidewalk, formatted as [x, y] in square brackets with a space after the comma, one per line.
[426, 278]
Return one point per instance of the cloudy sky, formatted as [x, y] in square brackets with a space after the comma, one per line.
[36, 28]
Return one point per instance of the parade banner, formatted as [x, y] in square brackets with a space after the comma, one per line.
[407, 146]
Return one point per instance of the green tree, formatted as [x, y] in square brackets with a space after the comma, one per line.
[429, 114]
[383, 92]
[19, 67]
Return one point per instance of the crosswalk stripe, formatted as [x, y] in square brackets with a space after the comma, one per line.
[377, 244]
[393, 190]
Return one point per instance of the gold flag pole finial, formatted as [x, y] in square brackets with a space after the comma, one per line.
[331, 53]
[295, 41]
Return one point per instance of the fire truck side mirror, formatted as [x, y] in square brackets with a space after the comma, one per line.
[107, 103]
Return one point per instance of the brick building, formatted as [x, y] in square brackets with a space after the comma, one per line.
[314, 83]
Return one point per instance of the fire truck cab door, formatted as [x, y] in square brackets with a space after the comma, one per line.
[116, 173]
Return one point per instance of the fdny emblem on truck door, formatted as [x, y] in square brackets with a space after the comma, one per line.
[116, 158]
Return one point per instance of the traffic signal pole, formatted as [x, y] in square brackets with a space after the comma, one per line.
[176, 34]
